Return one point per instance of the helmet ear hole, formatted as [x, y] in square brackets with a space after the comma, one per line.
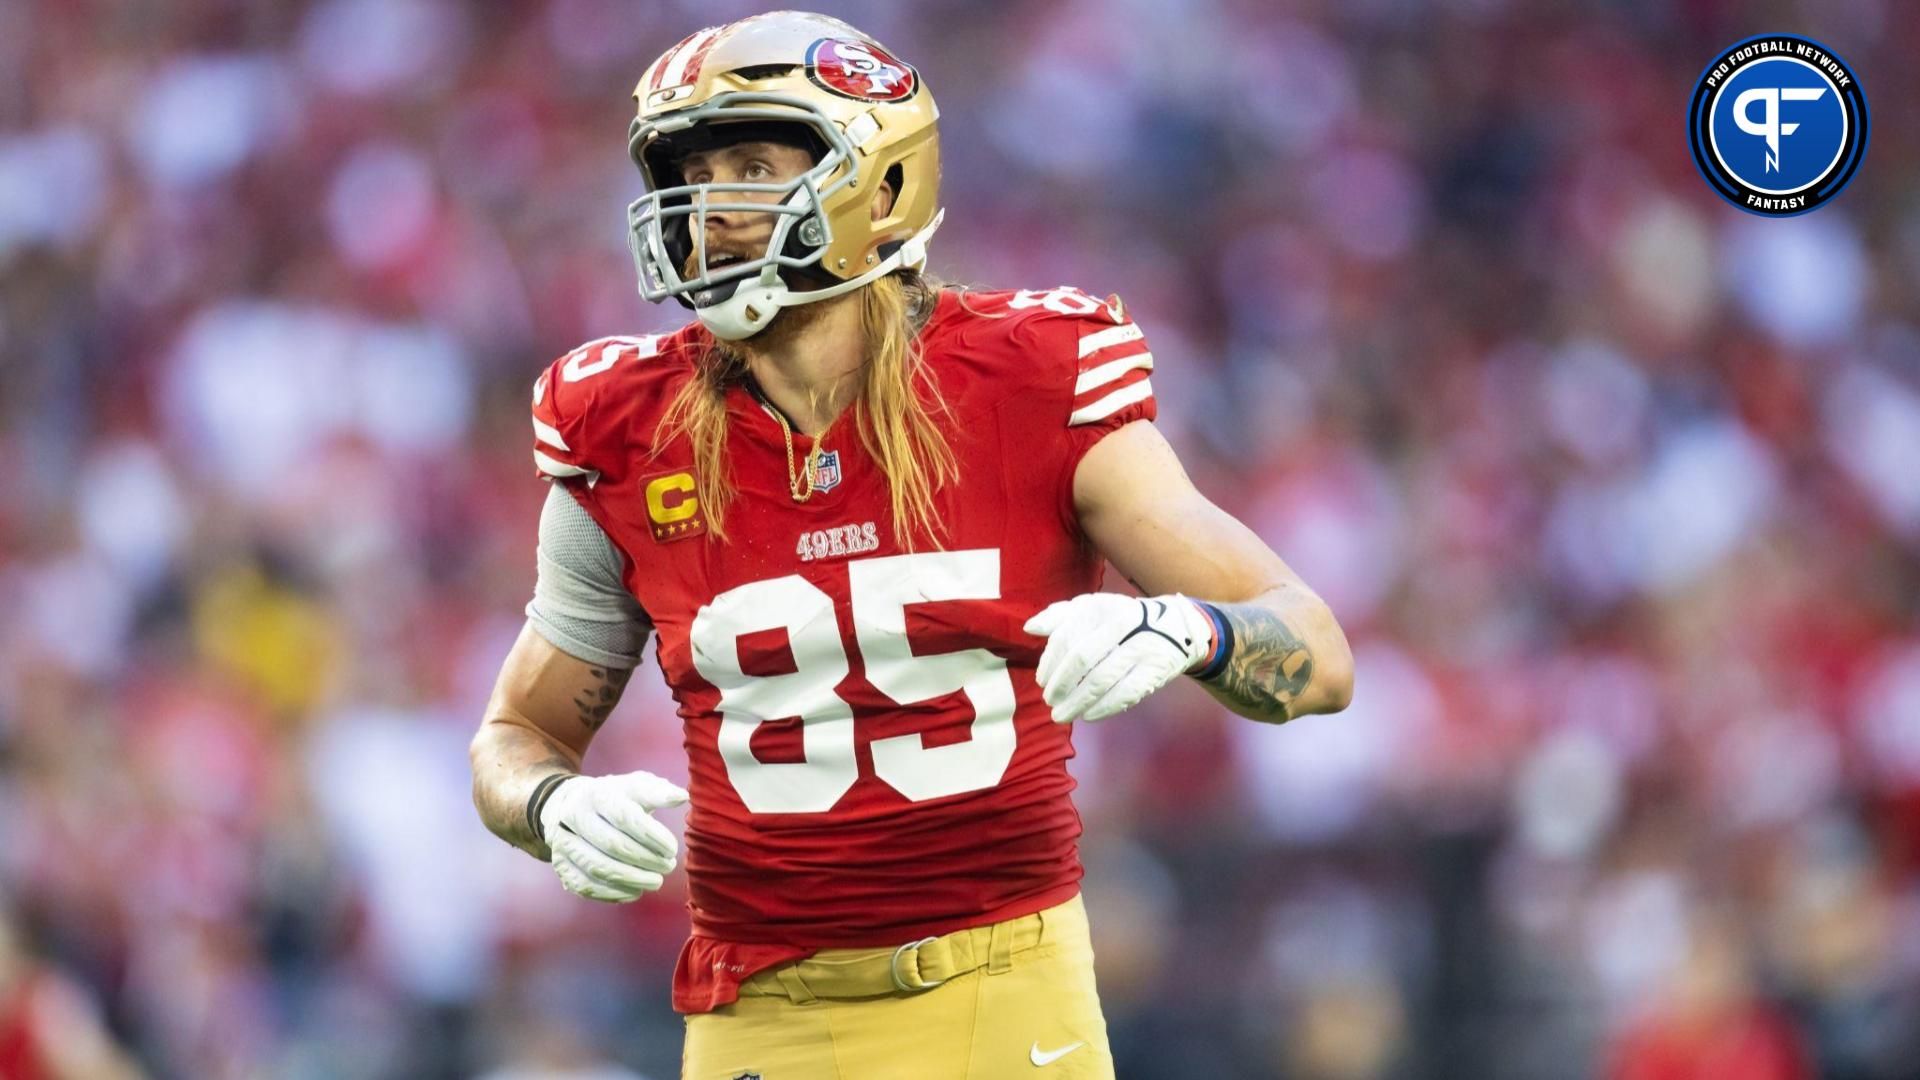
[892, 181]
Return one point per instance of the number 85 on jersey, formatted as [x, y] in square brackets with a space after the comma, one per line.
[880, 589]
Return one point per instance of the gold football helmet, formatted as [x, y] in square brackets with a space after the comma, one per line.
[795, 77]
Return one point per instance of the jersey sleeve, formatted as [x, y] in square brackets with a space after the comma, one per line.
[1111, 387]
[1093, 363]
[573, 422]
[1093, 368]
[554, 453]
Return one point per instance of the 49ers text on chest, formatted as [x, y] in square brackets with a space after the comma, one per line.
[843, 540]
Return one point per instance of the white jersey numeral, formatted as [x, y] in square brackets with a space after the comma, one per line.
[880, 590]
[593, 358]
[746, 701]
[1065, 300]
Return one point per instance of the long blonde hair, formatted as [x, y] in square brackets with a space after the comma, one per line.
[893, 410]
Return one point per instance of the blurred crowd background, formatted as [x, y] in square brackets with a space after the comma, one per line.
[1615, 488]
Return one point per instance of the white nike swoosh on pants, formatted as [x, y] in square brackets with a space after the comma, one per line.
[1042, 1058]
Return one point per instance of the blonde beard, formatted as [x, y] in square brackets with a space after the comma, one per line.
[789, 325]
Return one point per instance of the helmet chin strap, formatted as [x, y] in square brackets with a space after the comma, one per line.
[754, 303]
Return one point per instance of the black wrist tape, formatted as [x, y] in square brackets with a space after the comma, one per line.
[538, 800]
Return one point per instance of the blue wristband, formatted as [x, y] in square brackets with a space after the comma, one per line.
[1216, 661]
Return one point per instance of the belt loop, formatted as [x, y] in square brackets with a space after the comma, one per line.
[796, 988]
[1000, 949]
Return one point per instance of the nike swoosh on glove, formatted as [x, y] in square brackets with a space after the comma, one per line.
[1105, 652]
[606, 844]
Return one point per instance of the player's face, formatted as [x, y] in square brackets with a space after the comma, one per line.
[741, 233]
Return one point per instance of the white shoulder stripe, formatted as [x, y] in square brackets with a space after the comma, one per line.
[1113, 335]
[557, 468]
[1111, 370]
[549, 434]
[1112, 403]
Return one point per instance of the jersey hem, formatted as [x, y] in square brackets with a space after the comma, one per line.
[721, 986]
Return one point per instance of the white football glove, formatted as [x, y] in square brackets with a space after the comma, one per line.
[1105, 652]
[606, 844]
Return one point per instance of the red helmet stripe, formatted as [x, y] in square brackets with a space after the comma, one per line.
[682, 64]
[700, 57]
[661, 65]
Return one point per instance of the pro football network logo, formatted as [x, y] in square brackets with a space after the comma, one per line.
[1778, 124]
[860, 70]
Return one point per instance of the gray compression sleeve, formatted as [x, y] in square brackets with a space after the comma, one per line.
[579, 603]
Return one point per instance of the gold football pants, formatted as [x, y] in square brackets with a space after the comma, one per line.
[1014, 999]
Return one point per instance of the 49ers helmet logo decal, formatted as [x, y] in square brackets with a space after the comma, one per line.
[860, 70]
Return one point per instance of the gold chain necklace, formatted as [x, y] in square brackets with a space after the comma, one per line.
[800, 480]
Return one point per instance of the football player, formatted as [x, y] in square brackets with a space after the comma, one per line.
[866, 517]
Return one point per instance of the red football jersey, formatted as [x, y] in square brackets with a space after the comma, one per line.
[870, 759]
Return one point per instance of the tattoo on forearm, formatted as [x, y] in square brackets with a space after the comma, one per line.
[1270, 666]
[597, 701]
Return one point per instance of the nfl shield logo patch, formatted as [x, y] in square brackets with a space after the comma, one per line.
[826, 471]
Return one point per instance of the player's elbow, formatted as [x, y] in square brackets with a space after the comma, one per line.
[489, 757]
[489, 761]
[1337, 692]
[480, 752]
[1333, 666]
